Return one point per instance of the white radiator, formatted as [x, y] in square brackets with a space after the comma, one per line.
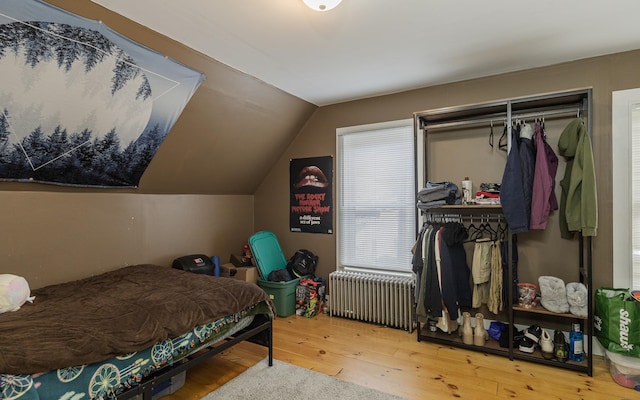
[375, 298]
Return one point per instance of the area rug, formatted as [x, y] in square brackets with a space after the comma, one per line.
[284, 381]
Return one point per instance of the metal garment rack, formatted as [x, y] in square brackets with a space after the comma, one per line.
[552, 105]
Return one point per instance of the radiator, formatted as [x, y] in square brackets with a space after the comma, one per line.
[375, 298]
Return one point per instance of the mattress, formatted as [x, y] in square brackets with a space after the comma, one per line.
[106, 379]
[97, 336]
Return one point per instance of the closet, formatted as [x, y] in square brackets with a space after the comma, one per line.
[473, 141]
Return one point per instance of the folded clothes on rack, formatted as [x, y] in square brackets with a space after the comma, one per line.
[431, 204]
[435, 191]
[490, 187]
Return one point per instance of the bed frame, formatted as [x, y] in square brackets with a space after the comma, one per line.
[260, 331]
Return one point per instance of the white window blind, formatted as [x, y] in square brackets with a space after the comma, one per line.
[376, 208]
[635, 196]
[626, 188]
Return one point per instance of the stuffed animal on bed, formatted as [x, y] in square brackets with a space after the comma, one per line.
[14, 292]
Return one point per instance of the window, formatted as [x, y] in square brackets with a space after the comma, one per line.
[376, 192]
[626, 188]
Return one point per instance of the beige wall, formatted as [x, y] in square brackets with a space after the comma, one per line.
[55, 237]
[195, 196]
[603, 74]
[52, 234]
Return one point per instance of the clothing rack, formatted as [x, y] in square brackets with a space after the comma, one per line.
[459, 217]
[577, 104]
[501, 117]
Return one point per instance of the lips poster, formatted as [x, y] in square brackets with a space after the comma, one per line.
[311, 198]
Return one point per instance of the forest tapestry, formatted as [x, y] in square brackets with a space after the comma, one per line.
[80, 104]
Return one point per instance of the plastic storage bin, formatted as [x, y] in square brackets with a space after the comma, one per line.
[268, 257]
[283, 295]
[167, 387]
[624, 370]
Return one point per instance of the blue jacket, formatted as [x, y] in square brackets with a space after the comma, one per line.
[512, 195]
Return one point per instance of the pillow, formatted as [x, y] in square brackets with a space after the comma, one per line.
[14, 292]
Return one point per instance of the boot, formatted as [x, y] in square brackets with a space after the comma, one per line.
[480, 334]
[467, 330]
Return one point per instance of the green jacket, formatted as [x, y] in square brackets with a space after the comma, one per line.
[578, 203]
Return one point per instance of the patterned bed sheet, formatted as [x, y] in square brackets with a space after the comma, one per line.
[105, 380]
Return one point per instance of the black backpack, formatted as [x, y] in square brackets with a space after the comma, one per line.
[303, 263]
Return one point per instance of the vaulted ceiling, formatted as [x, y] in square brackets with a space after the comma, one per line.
[365, 48]
[271, 64]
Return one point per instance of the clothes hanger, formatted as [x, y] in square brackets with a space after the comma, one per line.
[503, 146]
[471, 231]
[501, 230]
[486, 228]
[480, 232]
[491, 135]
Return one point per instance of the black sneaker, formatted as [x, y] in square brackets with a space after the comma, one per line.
[527, 345]
[517, 337]
[533, 333]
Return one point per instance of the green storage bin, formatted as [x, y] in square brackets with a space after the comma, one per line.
[268, 256]
[283, 295]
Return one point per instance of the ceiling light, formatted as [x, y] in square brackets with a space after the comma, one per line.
[322, 5]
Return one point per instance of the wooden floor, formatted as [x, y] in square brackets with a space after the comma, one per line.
[393, 361]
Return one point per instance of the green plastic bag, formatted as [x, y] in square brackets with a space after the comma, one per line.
[617, 321]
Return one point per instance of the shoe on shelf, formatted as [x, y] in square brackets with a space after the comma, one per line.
[466, 331]
[560, 346]
[527, 345]
[533, 333]
[517, 337]
[480, 335]
[546, 345]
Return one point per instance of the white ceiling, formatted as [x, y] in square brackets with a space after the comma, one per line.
[364, 48]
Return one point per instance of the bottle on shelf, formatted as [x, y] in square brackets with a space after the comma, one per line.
[576, 345]
[467, 188]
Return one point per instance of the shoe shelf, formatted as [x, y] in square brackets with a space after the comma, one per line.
[493, 347]
[538, 309]
[536, 357]
[455, 340]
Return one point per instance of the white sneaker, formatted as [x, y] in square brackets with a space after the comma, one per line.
[546, 345]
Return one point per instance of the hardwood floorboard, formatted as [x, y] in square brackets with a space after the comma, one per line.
[393, 361]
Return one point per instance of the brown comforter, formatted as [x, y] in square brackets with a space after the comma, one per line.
[115, 313]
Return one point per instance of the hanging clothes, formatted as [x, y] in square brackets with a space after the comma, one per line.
[417, 261]
[578, 202]
[495, 301]
[527, 164]
[418, 268]
[454, 260]
[481, 272]
[433, 295]
[544, 198]
[511, 189]
[442, 273]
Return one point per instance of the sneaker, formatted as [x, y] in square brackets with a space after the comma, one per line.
[527, 345]
[533, 333]
[546, 345]
[560, 347]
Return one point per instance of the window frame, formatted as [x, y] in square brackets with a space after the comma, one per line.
[622, 258]
[340, 132]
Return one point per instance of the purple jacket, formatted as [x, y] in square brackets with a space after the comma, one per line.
[543, 199]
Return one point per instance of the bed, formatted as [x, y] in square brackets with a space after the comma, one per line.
[123, 333]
